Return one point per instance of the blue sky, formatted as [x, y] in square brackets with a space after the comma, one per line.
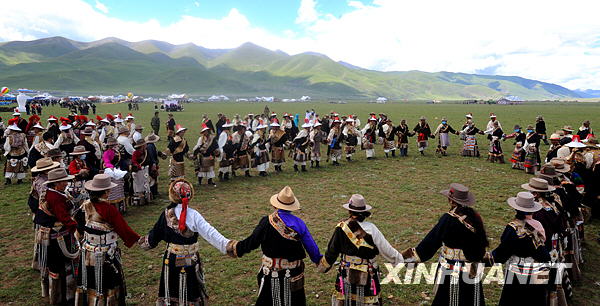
[547, 40]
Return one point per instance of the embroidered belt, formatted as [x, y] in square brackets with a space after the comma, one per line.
[100, 240]
[183, 249]
[356, 263]
[280, 263]
[526, 266]
[453, 254]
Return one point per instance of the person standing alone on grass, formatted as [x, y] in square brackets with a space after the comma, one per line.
[170, 127]
[155, 123]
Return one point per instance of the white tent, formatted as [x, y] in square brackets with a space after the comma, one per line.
[381, 100]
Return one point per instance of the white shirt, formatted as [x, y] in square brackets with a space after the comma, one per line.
[126, 143]
[222, 140]
[197, 224]
[136, 136]
[386, 250]
[60, 139]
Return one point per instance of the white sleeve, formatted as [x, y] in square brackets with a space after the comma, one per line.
[7, 146]
[198, 144]
[102, 135]
[128, 147]
[198, 224]
[386, 250]
[35, 141]
[58, 141]
[222, 140]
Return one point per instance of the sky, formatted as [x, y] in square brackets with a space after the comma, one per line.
[552, 41]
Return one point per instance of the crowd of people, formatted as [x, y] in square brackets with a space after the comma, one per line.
[86, 172]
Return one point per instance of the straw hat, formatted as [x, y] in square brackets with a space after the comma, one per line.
[38, 126]
[460, 194]
[554, 136]
[152, 138]
[357, 203]
[317, 124]
[111, 141]
[54, 153]
[139, 143]
[87, 131]
[122, 129]
[537, 184]
[139, 127]
[567, 128]
[79, 150]
[560, 165]
[179, 186]
[422, 118]
[349, 120]
[547, 170]
[227, 124]
[99, 183]
[524, 201]
[285, 200]
[58, 175]
[44, 164]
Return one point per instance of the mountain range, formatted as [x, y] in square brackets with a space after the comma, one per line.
[113, 65]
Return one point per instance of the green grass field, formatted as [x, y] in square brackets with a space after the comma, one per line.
[403, 191]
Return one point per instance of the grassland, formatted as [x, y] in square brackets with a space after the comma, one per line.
[403, 191]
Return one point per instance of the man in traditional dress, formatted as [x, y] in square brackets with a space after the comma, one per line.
[52, 127]
[284, 240]
[93, 147]
[423, 132]
[260, 155]
[205, 152]
[226, 149]
[67, 140]
[490, 124]
[170, 127]
[369, 137]
[155, 123]
[15, 150]
[140, 166]
[39, 150]
[137, 133]
[387, 131]
[351, 137]
[403, 132]
[153, 160]
[540, 128]
[177, 149]
[495, 152]
[277, 140]
[241, 140]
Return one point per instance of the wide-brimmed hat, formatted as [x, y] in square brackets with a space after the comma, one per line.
[179, 128]
[79, 150]
[530, 127]
[227, 124]
[492, 115]
[87, 131]
[554, 136]
[99, 182]
[44, 164]
[547, 170]
[54, 153]
[111, 141]
[139, 127]
[38, 126]
[152, 138]
[58, 175]
[422, 118]
[538, 185]
[285, 200]
[567, 128]
[460, 194]
[317, 124]
[560, 165]
[139, 143]
[122, 129]
[177, 187]
[65, 126]
[575, 142]
[357, 203]
[524, 201]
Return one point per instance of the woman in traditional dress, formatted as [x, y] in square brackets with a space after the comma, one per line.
[301, 142]
[461, 235]
[182, 275]
[15, 150]
[277, 139]
[140, 164]
[523, 251]
[284, 240]
[80, 170]
[495, 152]
[443, 132]
[387, 131]
[260, 155]
[56, 244]
[369, 137]
[350, 135]
[334, 141]
[531, 148]
[317, 137]
[204, 153]
[518, 155]
[177, 148]
[469, 131]
[423, 132]
[356, 243]
[101, 280]
[403, 132]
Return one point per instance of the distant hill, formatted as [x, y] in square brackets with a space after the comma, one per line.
[114, 65]
[588, 93]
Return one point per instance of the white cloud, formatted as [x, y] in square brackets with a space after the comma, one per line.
[197, 4]
[100, 6]
[544, 40]
[307, 12]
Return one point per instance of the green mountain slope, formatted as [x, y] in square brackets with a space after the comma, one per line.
[154, 67]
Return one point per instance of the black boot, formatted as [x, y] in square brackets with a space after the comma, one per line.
[247, 174]
[386, 155]
[348, 158]
[7, 182]
[199, 181]
[422, 153]
[263, 173]
[296, 168]
[220, 176]
[226, 176]
[19, 182]
[317, 166]
[233, 173]
[210, 182]
[393, 153]
[303, 168]
[312, 162]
